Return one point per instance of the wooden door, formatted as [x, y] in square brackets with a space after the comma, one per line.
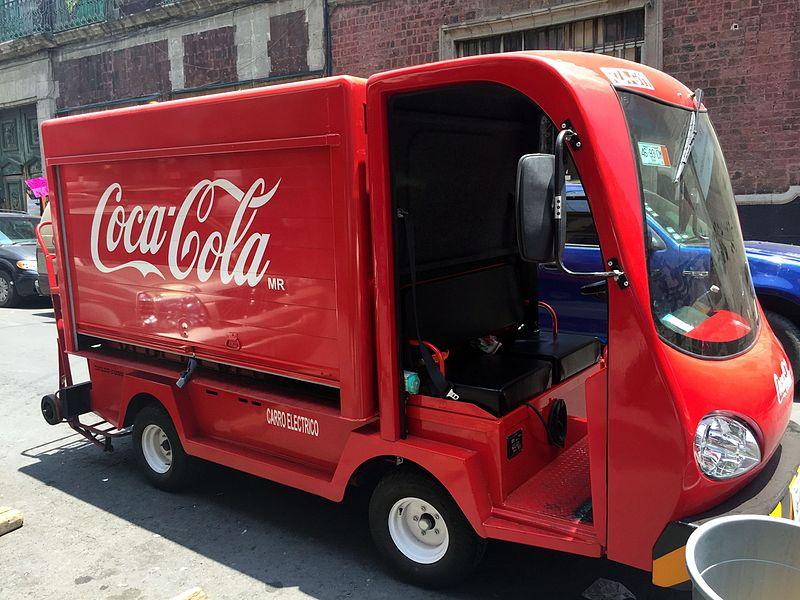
[20, 158]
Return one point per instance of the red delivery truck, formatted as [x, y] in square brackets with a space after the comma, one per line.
[334, 282]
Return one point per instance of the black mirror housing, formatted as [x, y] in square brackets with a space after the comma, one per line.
[535, 195]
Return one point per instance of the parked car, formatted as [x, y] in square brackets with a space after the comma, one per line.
[19, 277]
[581, 304]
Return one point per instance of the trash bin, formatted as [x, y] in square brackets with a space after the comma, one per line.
[745, 557]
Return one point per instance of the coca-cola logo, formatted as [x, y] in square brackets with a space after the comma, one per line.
[784, 382]
[238, 255]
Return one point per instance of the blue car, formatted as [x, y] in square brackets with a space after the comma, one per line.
[581, 304]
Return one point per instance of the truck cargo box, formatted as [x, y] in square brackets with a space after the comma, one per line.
[221, 227]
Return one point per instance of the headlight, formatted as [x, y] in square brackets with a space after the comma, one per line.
[725, 447]
[27, 265]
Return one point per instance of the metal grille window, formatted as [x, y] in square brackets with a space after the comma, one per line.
[620, 34]
[20, 18]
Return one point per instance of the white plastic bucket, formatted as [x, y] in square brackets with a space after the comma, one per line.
[745, 557]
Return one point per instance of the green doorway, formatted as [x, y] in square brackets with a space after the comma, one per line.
[20, 158]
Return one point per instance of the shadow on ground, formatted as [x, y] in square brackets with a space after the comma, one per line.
[264, 529]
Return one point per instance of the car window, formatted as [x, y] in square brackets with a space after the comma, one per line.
[17, 229]
[580, 224]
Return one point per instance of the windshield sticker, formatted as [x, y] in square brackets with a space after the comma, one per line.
[676, 324]
[627, 78]
[654, 155]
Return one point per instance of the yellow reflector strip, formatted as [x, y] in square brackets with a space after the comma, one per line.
[670, 569]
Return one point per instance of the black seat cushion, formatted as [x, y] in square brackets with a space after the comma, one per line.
[568, 353]
[499, 382]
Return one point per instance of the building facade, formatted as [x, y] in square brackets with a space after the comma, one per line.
[63, 57]
[744, 54]
[60, 57]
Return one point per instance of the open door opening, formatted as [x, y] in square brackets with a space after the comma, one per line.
[469, 310]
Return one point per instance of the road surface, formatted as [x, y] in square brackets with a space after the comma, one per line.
[95, 529]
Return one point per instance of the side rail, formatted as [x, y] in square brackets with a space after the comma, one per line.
[64, 370]
[49, 256]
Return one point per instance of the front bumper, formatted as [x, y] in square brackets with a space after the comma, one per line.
[26, 283]
[43, 285]
[767, 494]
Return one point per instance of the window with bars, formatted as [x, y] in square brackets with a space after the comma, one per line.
[620, 34]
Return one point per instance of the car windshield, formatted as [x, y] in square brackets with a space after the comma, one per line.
[701, 292]
[17, 230]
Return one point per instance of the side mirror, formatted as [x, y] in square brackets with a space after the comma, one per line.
[535, 193]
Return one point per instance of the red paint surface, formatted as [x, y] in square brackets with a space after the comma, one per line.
[722, 326]
[335, 322]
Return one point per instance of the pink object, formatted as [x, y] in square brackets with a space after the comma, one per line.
[38, 186]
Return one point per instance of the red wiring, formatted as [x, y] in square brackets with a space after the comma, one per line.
[438, 356]
[553, 316]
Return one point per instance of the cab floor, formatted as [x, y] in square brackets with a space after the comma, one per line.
[561, 489]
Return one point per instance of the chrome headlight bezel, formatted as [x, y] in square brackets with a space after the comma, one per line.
[725, 447]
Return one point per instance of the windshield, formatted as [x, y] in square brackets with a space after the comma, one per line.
[701, 293]
[17, 230]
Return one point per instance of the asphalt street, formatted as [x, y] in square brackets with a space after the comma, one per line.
[95, 529]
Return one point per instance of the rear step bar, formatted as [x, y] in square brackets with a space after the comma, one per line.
[98, 436]
[72, 401]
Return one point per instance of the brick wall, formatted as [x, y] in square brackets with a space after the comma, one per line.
[154, 55]
[374, 36]
[744, 54]
[288, 43]
[209, 57]
[387, 34]
[746, 57]
[127, 73]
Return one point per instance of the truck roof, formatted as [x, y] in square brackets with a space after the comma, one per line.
[577, 68]
[78, 135]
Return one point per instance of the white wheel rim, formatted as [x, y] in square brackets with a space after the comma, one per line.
[156, 449]
[418, 530]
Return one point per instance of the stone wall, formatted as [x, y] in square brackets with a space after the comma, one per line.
[250, 43]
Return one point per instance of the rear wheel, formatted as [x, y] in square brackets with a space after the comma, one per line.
[9, 297]
[788, 335]
[49, 407]
[159, 450]
[420, 531]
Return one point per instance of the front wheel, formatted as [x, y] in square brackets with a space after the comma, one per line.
[159, 450]
[420, 531]
[9, 297]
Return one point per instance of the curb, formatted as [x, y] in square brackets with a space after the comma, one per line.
[10, 519]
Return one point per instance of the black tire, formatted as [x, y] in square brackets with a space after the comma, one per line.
[9, 298]
[182, 471]
[49, 408]
[464, 549]
[788, 335]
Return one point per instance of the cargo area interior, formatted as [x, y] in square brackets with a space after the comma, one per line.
[464, 292]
